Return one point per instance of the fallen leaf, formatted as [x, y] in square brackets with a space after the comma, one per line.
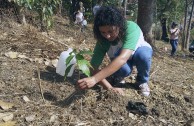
[12, 55]
[132, 116]
[47, 62]
[54, 62]
[6, 116]
[9, 123]
[26, 99]
[30, 118]
[6, 105]
[39, 60]
[53, 118]
[22, 56]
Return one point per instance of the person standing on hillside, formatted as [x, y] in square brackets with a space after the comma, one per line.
[124, 43]
[174, 32]
[97, 6]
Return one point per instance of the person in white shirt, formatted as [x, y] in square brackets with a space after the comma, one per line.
[174, 32]
[80, 20]
[79, 17]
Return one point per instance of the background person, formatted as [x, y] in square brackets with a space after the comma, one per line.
[79, 17]
[80, 20]
[174, 32]
[124, 43]
[97, 6]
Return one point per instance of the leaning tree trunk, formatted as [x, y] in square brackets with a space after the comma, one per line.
[145, 18]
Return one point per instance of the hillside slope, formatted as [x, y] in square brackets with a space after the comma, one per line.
[26, 53]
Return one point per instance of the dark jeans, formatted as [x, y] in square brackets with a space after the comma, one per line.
[174, 44]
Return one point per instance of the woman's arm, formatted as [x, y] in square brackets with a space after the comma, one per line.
[100, 76]
[115, 65]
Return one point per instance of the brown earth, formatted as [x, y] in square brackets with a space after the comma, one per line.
[171, 102]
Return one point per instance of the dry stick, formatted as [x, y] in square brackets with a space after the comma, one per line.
[40, 82]
[70, 121]
[81, 105]
[81, 98]
[154, 72]
[14, 94]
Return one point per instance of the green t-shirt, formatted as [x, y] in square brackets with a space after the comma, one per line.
[129, 42]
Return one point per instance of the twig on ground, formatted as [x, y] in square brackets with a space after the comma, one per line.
[154, 72]
[70, 120]
[81, 105]
[38, 70]
[15, 94]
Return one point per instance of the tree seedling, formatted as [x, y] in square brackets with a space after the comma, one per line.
[82, 64]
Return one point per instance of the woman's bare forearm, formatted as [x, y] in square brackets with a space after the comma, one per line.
[105, 84]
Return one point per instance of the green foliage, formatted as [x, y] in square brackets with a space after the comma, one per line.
[44, 8]
[172, 10]
[132, 9]
[83, 64]
[192, 34]
[111, 2]
[67, 71]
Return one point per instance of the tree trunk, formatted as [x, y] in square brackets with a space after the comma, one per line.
[73, 9]
[145, 18]
[164, 30]
[184, 27]
[59, 12]
[188, 29]
[125, 8]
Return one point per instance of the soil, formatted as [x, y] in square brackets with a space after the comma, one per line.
[55, 102]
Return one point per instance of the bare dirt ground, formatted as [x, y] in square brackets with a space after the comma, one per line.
[27, 73]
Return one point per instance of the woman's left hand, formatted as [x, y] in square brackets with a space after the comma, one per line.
[87, 82]
[118, 90]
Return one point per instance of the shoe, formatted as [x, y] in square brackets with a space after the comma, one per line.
[145, 90]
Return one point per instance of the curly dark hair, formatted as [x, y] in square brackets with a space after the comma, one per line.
[109, 15]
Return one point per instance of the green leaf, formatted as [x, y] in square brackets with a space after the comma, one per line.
[50, 10]
[68, 60]
[89, 52]
[67, 71]
[44, 9]
[79, 57]
[84, 66]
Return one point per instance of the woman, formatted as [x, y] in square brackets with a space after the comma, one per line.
[174, 32]
[124, 43]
